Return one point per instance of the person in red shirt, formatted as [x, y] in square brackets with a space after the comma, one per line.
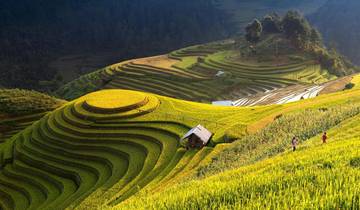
[324, 138]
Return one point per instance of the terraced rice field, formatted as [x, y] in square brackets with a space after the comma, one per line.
[192, 74]
[198, 82]
[9, 126]
[322, 176]
[20, 108]
[97, 150]
[101, 149]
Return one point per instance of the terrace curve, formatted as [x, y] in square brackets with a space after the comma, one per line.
[91, 153]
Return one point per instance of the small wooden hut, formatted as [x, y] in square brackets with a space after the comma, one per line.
[197, 137]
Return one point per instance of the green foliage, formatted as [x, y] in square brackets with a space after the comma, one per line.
[333, 61]
[297, 28]
[271, 23]
[253, 31]
[303, 37]
[22, 102]
[355, 162]
[349, 86]
[31, 43]
[85, 84]
[316, 37]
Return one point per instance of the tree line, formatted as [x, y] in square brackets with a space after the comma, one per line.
[295, 27]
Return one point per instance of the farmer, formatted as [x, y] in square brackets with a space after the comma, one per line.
[294, 143]
[324, 137]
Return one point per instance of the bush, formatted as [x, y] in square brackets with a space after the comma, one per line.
[355, 162]
[349, 86]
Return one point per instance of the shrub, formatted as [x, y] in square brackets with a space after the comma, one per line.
[355, 162]
[349, 86]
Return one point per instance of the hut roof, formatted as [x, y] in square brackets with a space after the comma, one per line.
[222, 103]
[202, 133]
[220, 73]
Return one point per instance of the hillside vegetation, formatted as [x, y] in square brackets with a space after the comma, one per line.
[98, 151]
[41, 40]
[339, 26]
[289, 53]
[37, 33]
[20, 108]
[317, 175]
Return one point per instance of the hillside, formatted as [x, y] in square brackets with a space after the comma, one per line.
[42, 38]
[320, 176]
[100, 149]
[248, 108]
[191, 74]
[329, 172]
[231, 69]
[48, 40]
[339, 26]
[20, 108]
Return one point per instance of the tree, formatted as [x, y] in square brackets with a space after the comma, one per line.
[316, 37]
[271, 23]
[253, 31]
[297, 28]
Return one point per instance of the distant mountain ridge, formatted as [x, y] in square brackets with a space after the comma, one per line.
[36, 32]
[40, 39]
[339, 23]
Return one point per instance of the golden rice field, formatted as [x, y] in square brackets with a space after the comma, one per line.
[120, 149]
[316, 176]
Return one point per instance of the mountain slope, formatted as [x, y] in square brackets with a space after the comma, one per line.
[20, 108]
[47, 40]
[320, 175]
[209, 72]
[40, 38]
[337, 22]
[101, 149]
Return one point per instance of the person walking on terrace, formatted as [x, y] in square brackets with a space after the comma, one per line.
[324, 137]
[294, 143]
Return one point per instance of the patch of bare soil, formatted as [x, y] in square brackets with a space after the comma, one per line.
[162, 61]
[336, 85]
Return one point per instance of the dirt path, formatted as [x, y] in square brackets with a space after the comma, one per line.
[336, 85]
